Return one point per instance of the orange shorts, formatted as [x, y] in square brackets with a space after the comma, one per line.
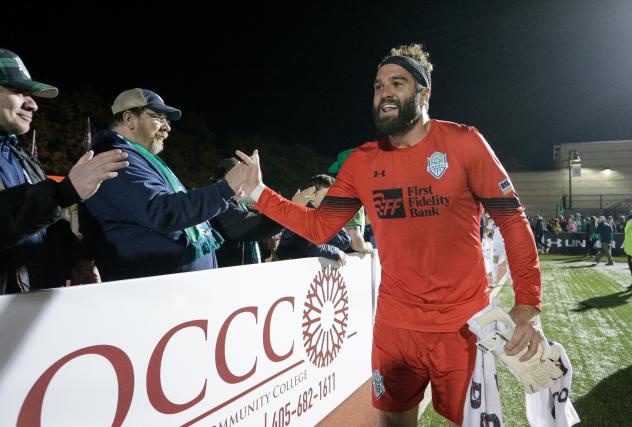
[404, 361]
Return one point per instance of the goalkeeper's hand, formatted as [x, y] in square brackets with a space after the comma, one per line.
[527, 333]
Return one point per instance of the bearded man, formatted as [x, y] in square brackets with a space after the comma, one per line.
[424, 183]
[147, 223]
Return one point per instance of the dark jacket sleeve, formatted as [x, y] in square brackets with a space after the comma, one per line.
[295, 246]
[342, 240]
[27, 208]
[63, 252]
[239, 225]
[141, 194]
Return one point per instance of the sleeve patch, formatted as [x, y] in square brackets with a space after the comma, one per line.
[505, 186]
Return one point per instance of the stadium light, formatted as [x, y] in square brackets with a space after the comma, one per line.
[574, 169]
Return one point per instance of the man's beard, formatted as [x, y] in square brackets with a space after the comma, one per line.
[157, 145]
[406, 118]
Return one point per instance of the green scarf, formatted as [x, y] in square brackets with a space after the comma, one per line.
[254, 255]
[202, 237]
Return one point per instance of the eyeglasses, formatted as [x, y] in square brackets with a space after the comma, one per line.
[162, 120]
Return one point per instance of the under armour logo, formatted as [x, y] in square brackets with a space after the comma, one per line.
[377, 173]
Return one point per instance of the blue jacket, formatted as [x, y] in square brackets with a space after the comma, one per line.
[294, 246]
[135, 223]
[37, 249]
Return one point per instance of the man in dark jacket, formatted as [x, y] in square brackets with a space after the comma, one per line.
[36, 249]
[294, 246]
[605, 235]
[145, 223]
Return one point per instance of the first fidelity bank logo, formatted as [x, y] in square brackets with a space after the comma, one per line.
[389, 203]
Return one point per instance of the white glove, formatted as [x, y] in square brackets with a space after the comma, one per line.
[494, 327]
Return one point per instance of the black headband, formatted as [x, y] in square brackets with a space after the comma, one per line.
[411, 65]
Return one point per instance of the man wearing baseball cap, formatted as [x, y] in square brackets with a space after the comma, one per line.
[145, 223]
[31, 204]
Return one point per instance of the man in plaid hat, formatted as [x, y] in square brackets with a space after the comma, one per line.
[31, 204]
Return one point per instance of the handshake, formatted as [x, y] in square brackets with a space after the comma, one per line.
[494, 328]
[245, 176]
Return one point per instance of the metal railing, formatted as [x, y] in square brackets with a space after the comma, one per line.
[604, 203]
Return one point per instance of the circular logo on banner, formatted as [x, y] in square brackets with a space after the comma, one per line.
[325, 317]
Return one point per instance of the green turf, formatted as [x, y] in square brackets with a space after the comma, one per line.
[588, 310]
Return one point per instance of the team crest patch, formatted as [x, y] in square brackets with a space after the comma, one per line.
[378, 384]
[437, 164]
[505, 186]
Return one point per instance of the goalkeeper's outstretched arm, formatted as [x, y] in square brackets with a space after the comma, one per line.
[317, 225]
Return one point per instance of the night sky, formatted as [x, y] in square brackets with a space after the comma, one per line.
[528, 74]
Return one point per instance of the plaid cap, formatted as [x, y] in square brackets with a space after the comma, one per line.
[134, 98]
[14, 75]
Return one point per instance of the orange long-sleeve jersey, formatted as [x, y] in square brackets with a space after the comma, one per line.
[424, 203]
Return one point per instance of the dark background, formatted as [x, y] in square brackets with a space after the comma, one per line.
[527, 74]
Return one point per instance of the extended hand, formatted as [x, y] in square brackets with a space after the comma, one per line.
[90, 171]
[236, 176]
[305, 196]
[84, 271]
[342, 260]
[253, 178]
[368, 248]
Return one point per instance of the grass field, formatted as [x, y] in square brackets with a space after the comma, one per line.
[588, 310]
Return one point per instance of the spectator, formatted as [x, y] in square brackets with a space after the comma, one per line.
[146, 223]
[37, 249]
[570, 225]
[611, 223]
[591, 236]
[562, 222]
[579, 222]
[555, 226]
[605, 236]
[621, 224]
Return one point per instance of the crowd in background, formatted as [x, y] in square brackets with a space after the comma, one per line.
[577, 223]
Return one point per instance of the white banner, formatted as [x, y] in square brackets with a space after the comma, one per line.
[270, 345]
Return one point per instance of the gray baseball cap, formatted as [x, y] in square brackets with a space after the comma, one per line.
[134, 98]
